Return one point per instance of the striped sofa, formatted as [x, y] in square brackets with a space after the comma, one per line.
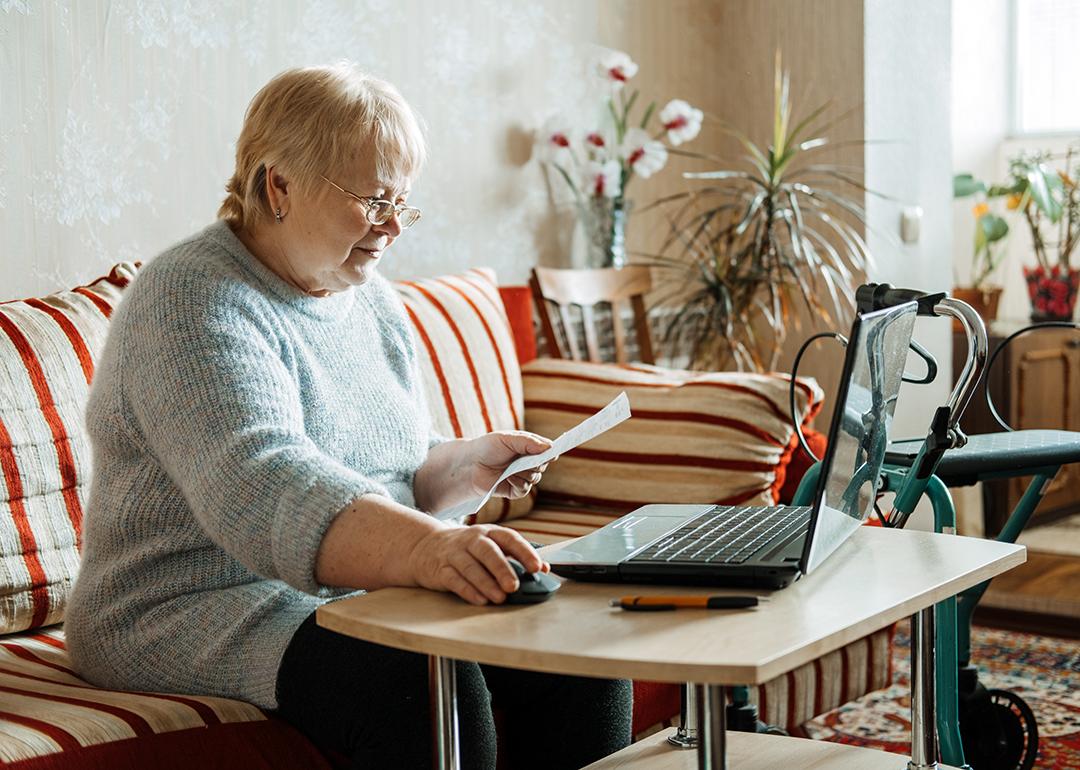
[693, 437]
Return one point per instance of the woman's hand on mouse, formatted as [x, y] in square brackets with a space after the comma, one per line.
[471, 562]
[492, 452]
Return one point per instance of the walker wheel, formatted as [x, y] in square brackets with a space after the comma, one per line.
[1000, 733]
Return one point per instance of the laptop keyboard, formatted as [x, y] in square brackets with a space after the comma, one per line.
[725, 535]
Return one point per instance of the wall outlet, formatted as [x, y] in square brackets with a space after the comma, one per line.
[910, 223]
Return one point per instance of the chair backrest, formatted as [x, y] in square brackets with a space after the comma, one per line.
[556, 291]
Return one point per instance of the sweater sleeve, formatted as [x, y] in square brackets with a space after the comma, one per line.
[396, 317]
[218, 408]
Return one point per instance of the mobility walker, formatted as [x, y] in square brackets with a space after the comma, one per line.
[991, 729]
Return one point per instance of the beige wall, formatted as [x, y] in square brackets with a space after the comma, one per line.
[720, 57]
[719, 54]
[118, 118]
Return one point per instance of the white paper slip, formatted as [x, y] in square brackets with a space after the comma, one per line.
[586, 430]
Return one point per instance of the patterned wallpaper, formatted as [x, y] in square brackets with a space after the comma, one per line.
[118, 120]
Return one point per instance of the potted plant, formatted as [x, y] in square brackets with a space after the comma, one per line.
[599, 163]
[1048, 200]
[987, 253]
[780, 230]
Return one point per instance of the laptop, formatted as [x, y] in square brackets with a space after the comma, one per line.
[768, 546]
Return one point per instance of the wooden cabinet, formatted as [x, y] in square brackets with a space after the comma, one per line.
[1035, 383]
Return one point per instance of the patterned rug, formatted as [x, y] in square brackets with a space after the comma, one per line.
[1044, 671]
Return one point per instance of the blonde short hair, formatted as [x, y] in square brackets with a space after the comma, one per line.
[315, 121]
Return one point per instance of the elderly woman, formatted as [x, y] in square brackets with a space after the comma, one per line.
[261, 446]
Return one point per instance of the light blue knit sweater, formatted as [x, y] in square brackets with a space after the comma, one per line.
[231, 417]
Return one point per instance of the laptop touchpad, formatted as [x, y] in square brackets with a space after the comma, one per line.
[623, 536]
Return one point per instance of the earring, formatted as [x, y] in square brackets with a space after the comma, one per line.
[277, 216]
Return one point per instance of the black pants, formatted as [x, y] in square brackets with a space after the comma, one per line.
[371, 704]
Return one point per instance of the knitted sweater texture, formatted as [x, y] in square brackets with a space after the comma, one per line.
[232, 417]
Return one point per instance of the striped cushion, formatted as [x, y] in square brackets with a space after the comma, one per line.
[692, 437]
[468, 363]
[826, 683]
[46, 709]
[47, 351]
[547, 524]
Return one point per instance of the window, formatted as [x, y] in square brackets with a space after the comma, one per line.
[1046, 66]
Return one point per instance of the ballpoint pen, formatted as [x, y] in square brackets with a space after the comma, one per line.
[659, 603]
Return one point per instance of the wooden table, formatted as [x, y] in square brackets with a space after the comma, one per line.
[874, 579]
[753, 751]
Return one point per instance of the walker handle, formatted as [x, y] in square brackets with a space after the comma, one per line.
[878, 296]
[975, 330]
[944, 433]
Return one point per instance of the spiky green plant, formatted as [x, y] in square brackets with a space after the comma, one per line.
[744, 250]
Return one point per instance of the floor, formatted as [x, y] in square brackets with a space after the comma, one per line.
[1062, 537]
[1041, 596]
[1040, 669]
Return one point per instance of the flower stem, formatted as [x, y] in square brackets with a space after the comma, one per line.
[1036, 236]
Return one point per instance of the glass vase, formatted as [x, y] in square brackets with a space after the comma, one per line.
[604, 222]
[1052, 292]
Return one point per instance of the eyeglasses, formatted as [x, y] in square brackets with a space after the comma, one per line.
[380, 210]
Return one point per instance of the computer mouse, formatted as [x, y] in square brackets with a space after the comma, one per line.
[533, 587]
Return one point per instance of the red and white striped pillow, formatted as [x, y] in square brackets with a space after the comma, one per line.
[48, 348]
[468, 363]
[693, 437]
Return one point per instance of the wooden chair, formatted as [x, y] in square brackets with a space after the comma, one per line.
[598, 294]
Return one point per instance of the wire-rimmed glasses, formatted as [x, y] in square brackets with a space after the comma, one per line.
[379, 210]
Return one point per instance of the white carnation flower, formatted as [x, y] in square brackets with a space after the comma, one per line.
[602, 180]
[643, 154]
[554, 139]
[616, 67]
[681, 121]
[596, 140]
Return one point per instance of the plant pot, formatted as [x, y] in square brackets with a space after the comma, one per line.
[984, 300]
[1052, 292]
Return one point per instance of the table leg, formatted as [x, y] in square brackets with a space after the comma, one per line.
[686, 736]
[923, 697]
[442, 686]
[712, 743]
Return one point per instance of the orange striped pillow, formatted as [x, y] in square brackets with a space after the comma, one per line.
[468, 363]
[48, 348]
[693, 437]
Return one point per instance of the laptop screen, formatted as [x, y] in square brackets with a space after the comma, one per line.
[851, 469]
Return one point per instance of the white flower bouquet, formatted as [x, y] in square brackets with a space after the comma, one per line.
[599, 163]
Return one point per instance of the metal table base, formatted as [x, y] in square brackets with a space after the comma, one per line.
[708, 710]
[924, 747]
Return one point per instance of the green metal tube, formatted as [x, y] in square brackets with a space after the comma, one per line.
[1014, 525]
[804, 495]
[909, 492]
[1020, 516]
[947, 668]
